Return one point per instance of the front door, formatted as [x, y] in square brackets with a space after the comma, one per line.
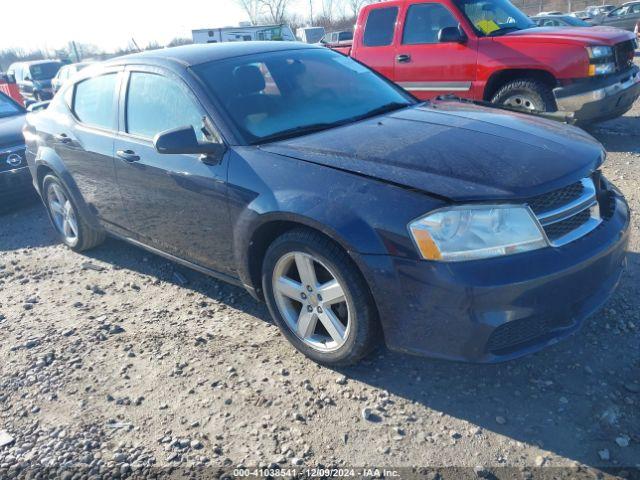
[175, 203]
[427, 67]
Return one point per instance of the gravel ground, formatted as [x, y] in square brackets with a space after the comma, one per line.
[122, 363]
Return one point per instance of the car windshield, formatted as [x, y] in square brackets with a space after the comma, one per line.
[44, 71]
[8, 108]
[494, 17]
[277, 95]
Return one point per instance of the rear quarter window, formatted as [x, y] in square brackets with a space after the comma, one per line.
[380, 27]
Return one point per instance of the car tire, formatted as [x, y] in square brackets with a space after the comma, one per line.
[350, 302]
[72, 228]
[526, 94]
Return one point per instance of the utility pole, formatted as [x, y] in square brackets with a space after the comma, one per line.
[75, 51]
[311, 13]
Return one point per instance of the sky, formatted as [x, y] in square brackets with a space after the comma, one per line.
[109, 24]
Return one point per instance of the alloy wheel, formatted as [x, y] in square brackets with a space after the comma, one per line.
[62, 213]
[312, 301]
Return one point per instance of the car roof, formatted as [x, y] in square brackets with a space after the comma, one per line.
[189, 55]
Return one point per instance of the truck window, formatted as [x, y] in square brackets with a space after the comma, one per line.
[380, 27]
[424, 22]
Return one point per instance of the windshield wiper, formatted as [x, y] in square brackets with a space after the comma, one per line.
[386, 108]
[295, 132]
[317, 127]
[503, 30]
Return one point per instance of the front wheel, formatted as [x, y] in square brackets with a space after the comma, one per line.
[318, 298]
[526, 94]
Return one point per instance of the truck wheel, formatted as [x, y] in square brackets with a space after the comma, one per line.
[527, 94]
[318, 298]
[74, 231]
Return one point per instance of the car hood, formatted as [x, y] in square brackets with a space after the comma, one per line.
[585, 35]
[11, 131]
[460, 151]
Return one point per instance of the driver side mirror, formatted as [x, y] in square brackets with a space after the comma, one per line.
[183, 140]
[451, 35]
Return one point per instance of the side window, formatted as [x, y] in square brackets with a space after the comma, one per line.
[635, 8]
[381, 24]
[424, 22]
[93, 101]
[156, 103]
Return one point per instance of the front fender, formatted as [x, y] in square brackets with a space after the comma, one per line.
[363, 215]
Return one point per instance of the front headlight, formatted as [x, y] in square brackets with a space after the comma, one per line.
[602, 69]
[474, 232]
[600, 51]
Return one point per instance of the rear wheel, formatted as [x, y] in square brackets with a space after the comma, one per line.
[318, 298]
[526, 94]
[74, 231]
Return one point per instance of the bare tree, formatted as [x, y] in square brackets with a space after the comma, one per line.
[328, 10]
[252, 8]
[355, 6]
[275, 10]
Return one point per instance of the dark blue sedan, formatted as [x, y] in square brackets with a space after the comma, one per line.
[15, 181]
[359, 214]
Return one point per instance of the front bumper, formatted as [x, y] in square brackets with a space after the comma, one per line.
[15, 187]
[599, 99]
[498, 309]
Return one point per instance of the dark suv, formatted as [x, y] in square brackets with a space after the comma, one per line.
[354, 210]
[34, 78]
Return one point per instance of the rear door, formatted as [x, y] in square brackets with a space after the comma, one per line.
[84, 141]
[376, 47]
[426, 67]
[176, 203]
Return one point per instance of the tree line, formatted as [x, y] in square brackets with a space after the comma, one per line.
[77, 52]
[331, 14]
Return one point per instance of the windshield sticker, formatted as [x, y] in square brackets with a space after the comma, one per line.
[354, 66]
[487, 26]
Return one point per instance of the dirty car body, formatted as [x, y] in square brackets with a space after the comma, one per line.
[363, 182]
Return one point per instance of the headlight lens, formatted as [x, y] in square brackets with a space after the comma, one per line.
[470, 233]
[602, 69]
[600, 51]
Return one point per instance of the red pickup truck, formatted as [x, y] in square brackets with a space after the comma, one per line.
[488, 50]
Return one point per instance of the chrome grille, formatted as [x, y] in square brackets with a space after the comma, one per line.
[623, 53]
[569, 213]
[556, 199]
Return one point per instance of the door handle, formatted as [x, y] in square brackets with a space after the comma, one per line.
[62, 138]
[403, 58]
[128, 155]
